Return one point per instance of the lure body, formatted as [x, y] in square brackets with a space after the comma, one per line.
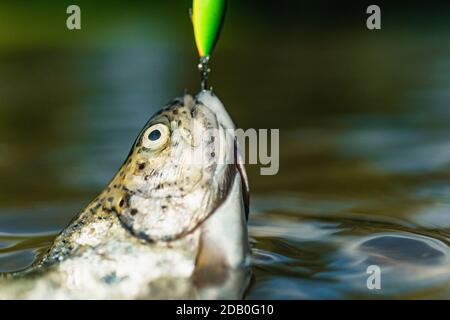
[207, 18]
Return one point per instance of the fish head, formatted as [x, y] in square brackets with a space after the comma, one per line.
[179, 170]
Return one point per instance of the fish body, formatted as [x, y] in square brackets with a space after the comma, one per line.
[172, 223]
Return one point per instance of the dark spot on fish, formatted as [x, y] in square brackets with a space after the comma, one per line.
[175, 111]
[111, 278]
[110, 199]
[109, 210]
[133, 212]
[121, 203]
[141, 166]
[163, 207]
[142, 235]
[213, 154]
[213, 138]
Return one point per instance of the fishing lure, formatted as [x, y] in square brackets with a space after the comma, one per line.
[207, 19]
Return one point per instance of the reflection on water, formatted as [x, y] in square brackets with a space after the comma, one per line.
[365, 149]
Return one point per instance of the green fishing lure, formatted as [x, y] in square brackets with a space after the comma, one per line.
[207, 18]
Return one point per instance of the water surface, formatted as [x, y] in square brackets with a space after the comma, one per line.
[365, 139]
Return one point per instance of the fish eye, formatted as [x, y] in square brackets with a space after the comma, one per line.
[156, 136]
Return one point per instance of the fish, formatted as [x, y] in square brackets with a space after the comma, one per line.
[171, 224]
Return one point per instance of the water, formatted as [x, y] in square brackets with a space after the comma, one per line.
[364, 121]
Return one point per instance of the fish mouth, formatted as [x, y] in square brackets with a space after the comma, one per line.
[208, 99]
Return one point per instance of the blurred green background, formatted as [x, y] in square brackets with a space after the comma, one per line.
[364, 118]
